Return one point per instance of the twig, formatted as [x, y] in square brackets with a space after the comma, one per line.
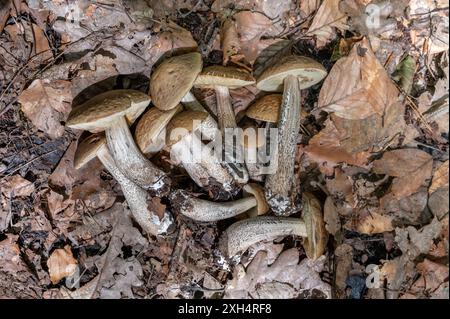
[27, 163]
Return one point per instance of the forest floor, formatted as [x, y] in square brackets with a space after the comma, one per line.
[373, 148]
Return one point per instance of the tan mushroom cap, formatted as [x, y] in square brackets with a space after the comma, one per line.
[266, 109]
[307, 70]
[218, 75]
[152, 123]
[182, 124]
[173, 79]
[258, 192]
[317, 236]
[87, 149]
[100, 112]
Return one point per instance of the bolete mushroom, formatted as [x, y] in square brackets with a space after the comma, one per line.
[111, 112]
[221, 79]
[290, 75]
[172, 81]
[206, 211]
[136, 197]
[188, 149]
[241, 235]
[150, 131]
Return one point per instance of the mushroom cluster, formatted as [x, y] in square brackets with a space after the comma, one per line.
[221, 161]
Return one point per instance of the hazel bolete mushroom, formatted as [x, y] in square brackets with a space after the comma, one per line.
[136, 197]
[172, 81]
[221, 79]
[150, 131]
[241, 235]
[290, 75]
[111, 112]
[206, 211]
[188, 149]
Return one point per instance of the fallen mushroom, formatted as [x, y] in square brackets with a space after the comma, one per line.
[290, 75]
[242, 234]
[187, 148]
[221, 79]
[206, 211]
[150, 131]
[172, 81]
[111, 112]
[136, 197]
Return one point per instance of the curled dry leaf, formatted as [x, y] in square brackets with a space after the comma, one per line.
[358, 86]
[252, 26]
[410, 167]
[327, 18]
[344, 257]
[47, 104]
[440, 178]
[229, 41]
[61, 264]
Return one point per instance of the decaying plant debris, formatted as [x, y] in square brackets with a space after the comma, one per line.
[372, 150]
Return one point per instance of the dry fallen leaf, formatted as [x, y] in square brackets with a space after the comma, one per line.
[271, 8]
[440, 178]
[358, 86]
[16, 186]
[61, 264]
[326, 19]
[285, 278]
[410, 167]
[413, 242]
[344, 258]
[47, 104]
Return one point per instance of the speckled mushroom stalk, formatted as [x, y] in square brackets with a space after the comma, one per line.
[136, 197]
[245, 233]
[221, 79]
[112, 112]
[290, 75]
[182, 137]
[206, 211]
[172, 81]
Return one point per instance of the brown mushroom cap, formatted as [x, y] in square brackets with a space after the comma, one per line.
[218, 75]
[308, 71]
[100, 112]
[173, 79]
[184, 121]
[150, 126]
[258, 192]
[317, 236]
[266, 109]
[87, 149]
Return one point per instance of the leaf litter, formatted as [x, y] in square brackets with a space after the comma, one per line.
[376, 152]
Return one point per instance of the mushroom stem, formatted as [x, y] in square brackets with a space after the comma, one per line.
[191, 103]
[181, 153]
[227, 123]
[241, 235]
[206, 211]
[131, 162]
[136, 198]
[280, 187]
